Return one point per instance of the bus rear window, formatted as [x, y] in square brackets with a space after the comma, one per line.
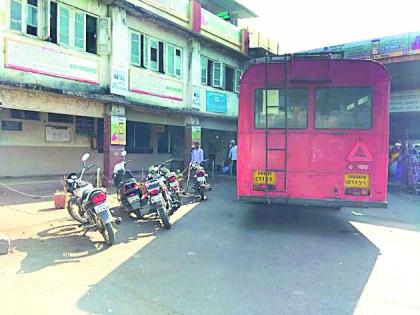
[270, 108]
[343, 108]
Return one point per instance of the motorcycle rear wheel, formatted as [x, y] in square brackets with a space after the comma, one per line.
[164, 218]
[74, 208]
[108, 233]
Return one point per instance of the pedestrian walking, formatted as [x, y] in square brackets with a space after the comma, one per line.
[233, 156]
[197, 154]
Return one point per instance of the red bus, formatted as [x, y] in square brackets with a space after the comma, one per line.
[313, 130]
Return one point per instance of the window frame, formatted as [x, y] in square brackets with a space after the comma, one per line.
[60, 7]
[238, 76]
[133, 33]
[308, 94]
[156, 63]
[84, 30]
[174, 58]
[371, 88]
[204, 66]
[24, 17]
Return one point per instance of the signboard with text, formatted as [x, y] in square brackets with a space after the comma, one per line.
[118, 130]
[390, 46]
[119, 80]
[178, 8]
[11, 125]
[57, 134]
[216, 102]
[196, 134]
[42, 58]
[220, 28]
[149, 83]
[405, 101]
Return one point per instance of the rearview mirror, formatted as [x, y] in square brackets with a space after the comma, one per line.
[124, 153]
[85, 156]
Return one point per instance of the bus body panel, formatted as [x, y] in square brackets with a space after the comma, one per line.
[317, 159]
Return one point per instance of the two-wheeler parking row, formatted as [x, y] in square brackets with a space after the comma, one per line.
[155, 197]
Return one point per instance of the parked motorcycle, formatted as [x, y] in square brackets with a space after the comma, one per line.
[156, 196]
[128, 188]
[200, 185]
[172, 181]
[89, 206]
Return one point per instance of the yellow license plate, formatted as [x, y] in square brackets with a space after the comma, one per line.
[259, 177]
[356, 181]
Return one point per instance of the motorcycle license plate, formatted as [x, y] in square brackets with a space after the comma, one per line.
[201, 179]
[156, 199]
[101, 208]
[173, 184]
[133, 199]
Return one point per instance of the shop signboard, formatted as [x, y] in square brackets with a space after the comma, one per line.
[119, 80]
[405, 101]
[178, 8]
[11, 125]
[216, 102]
[390, 46]
[118, 130]
[150, 83]
[43, 58]
[57, 134]
[196, 98]
[216, 26]
[196, 133]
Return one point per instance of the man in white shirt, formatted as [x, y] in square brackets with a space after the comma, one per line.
[233, 155]
[197, 154]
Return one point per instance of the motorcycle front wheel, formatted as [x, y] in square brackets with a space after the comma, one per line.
[75, 210]
[164, 218]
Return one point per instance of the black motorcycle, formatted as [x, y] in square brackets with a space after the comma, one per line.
[89, 206]
[128, 188]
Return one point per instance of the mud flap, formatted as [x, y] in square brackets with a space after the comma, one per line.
[105, 216]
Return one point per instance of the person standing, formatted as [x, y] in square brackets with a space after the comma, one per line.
[233, 155]
[197, 154]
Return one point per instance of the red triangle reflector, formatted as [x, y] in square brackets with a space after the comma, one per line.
[360, 153]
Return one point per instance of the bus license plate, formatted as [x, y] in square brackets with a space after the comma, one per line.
[356, 181]
[259, 177]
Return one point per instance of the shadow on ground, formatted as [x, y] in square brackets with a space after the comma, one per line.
[226, 257]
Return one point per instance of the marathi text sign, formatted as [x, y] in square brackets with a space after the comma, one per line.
[222, 29]
[405, 101]
[153, 84]
[44, 59]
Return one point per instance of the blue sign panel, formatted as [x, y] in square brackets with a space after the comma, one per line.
[216, 102]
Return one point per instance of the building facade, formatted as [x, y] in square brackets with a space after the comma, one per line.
[150, 76]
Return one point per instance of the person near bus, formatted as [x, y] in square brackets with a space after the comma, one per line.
[233, 155]
[197, 154]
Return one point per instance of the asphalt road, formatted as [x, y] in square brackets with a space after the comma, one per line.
[220, 257]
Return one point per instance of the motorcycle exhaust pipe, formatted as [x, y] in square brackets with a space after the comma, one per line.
[117, 220]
